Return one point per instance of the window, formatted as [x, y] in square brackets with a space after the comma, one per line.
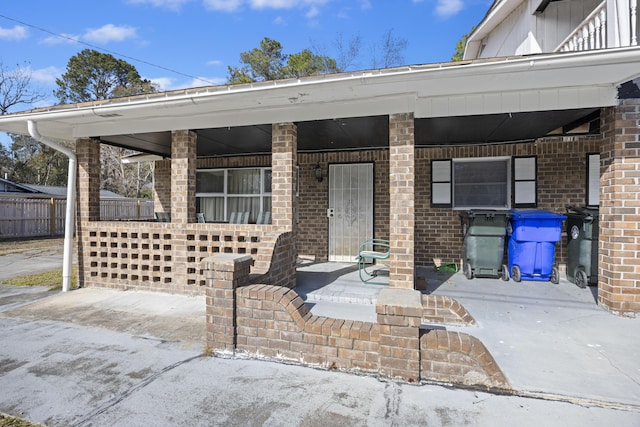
[482, 183]
[221, 192]
[593, 179]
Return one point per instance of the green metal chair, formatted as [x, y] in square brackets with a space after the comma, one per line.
[371, 252]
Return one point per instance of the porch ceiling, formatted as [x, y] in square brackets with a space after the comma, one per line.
[365, 132]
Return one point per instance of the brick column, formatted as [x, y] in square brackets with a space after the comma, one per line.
[283, 163]
[619, 242]
[88, 200]
[399, 315]
[183, 176]
[224, 273]
[401, 189]
[162, 186]
[88, 180]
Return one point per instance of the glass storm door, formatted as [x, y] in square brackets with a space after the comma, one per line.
[350, 211]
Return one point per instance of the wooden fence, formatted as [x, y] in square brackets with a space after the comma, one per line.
[45, 216]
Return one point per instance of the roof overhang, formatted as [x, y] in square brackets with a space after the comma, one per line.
[562, 81]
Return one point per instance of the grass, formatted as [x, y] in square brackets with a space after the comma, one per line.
[9, 421]
[52, 279]
[16, 246]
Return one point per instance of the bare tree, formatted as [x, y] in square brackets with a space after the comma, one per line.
[389, 52]
[346, 52]
[15, 88]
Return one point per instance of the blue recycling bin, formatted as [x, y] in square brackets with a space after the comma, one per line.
[532, 245]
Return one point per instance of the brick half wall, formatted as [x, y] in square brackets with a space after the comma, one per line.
[274, 323]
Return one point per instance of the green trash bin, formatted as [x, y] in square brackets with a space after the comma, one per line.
[582, 246]
[483, 247]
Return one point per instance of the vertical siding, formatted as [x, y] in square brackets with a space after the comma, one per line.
[560, 19]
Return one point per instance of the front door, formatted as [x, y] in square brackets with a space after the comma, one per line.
[350, 209]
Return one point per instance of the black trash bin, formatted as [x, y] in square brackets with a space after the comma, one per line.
[483, 247]
[582, 245]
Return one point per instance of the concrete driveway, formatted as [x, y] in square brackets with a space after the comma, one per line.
[96, 357]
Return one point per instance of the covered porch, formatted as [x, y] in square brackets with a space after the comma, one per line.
[553, 110]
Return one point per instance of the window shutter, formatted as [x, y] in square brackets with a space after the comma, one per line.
[525, 191]
[441, 183]
[593, 179]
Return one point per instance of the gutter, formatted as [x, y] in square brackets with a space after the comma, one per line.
[71, 187]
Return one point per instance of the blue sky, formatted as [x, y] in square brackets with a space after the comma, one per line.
[172, 42]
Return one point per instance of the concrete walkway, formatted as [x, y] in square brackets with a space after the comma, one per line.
[549, 340]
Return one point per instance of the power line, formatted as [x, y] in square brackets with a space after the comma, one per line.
[62, 36]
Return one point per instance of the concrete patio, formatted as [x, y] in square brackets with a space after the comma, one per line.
[547, 339]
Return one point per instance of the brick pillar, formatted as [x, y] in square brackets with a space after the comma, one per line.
[399, 315]
[401, 189]
[88, 180]
[162, 186]
[619, 242]
[224, 273]
[284, 138]
[87, 200]
[183, 176]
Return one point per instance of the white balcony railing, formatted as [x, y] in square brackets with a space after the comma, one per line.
[591, 34]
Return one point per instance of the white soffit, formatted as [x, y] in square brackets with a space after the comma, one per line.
[536, 83]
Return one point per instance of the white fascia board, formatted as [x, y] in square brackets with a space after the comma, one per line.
[354, 95]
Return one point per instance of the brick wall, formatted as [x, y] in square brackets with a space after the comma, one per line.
[273, 322]
[562, 168]
[166, 257]
[619, 239]
[313, 201]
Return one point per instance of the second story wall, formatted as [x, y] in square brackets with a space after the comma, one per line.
[523, 31]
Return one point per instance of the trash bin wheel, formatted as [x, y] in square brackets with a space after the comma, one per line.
[516, 274]
[468, 271]
[581, 278]
[505, 273]
[555, 276]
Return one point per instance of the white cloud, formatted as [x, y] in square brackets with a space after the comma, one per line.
[46, 75]
[312, 12]
[214, 62]
[234, 5]
[108, 33]
[446, 8]
[62, 38]
[280, 21]
[366, 4]
[164, 4]
[223, 5]
[16, 33]
[168, 83]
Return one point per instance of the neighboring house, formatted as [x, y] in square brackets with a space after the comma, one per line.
[396, 154]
